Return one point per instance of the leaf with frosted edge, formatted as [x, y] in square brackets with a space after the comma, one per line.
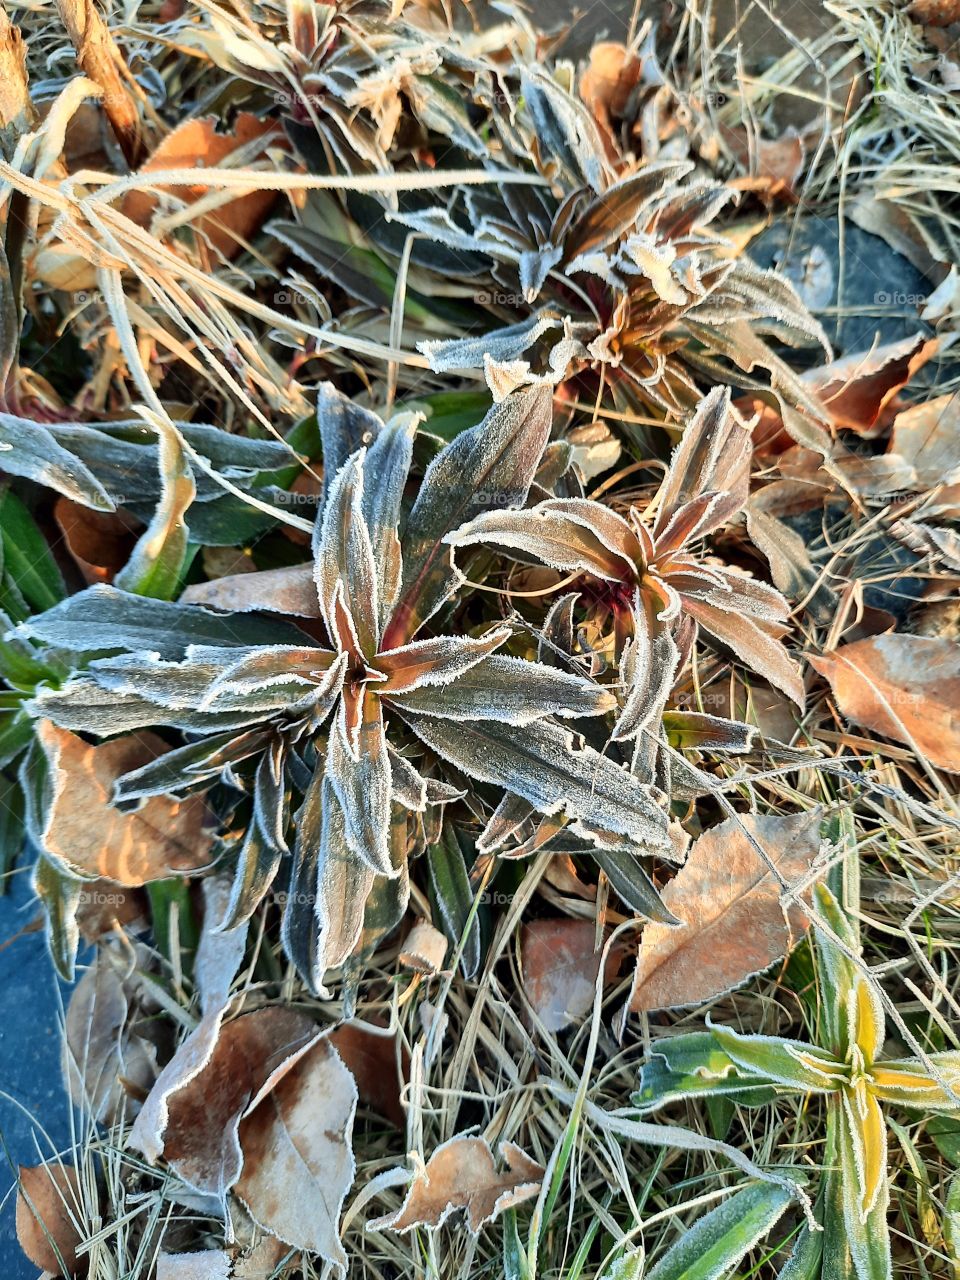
[412, 790]
[510, 690]
[437, 661]
[910, 1083]
[195, 764]
[752, 646]
[385, 473]
[329, 887]
[866, 1235]
[101, 618]
[85, 707]
[632, 884]
[451, 887]
[565, 540]
[343, 558]
[839, 971]
[648, 669]
[697, 731]
[546, 765]
[361, 777]
[566, 129]
[28, 449]
[790, 1063]
[158, 560]
[718, 1241]
[344, 428]
[491, 464]
[695, 1066]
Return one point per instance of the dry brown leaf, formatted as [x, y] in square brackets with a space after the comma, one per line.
[263, 1261]
[773, 165]
[105, 906]
[935, 13]
[217, 1076]
[461, 1175]
[859, 390]
[211, 1264]
[903, 686]
[560, 965]
[105, 1066]
[424, 949]
[611, 76]
[48, 1216]
[728, 902]
[196, 144]
[298, 1156]
[163, 837]
[219, 955]
[370, 1054]
[99, 542]
[927, 438]
[288, 590]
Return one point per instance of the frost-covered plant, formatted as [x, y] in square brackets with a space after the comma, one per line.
[848, 1068]
[322, 731]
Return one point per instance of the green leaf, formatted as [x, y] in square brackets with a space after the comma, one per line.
[629, 1266]
[717, 1242]
[867, 1237]
[945, 1132]
[515, 1265]
[450, 412]
[160, 558]
[26, 556]
[455, 902]
[28, 449]
[790, 1063]
[552, 770]
[694, 1066]
[174, 921]
[59, 896]
[492, 465]
[11, 826]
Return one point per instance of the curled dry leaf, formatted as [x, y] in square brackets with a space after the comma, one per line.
[289, 590]
[48, 1218]
[196, 144]
[298, 1156]
[219, 955]
[560, 966]
[461, 1175]
[425, 948]
[218, 1075]
[371, 1055]
[728, 901]
[105, 1064]
[903, 686]
[935, 13]
[90, 837]
[210, 1264]
[99, 542]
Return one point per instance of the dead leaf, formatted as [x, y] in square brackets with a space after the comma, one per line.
[164, 837]
[298, 1160]
[218, 1075]
[48, 1216]
[196, 144]
[105, 906]
[370, 1054]
[859, 390]
[775, 164]
[219, 955]
[903, 686]
[263, 1261]
[560, 965]
[927, 438]
[461, 1175]
[289, 590]
[424, 949]
[935, 13]
[99, 542]
[211, 1264]
[728, 902]
[105, 1064]
[611, 76]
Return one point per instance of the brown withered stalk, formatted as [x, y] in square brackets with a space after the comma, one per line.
[102, 61]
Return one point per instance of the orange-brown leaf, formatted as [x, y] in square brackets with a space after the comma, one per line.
[196, 144]
[560, 966]
[48, 1218]
[82, 828]
[461, 1175]
[370, 1054]
[732, 922]
[903, 686]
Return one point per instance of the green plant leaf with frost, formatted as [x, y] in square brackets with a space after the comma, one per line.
[338, 718]
[714, 1245]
